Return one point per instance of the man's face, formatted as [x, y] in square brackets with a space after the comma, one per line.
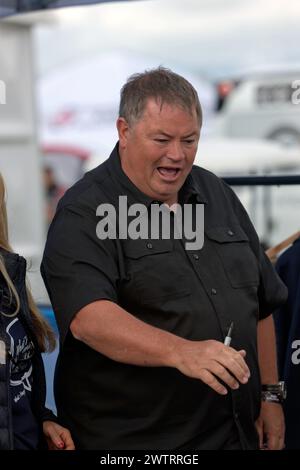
[157, 152]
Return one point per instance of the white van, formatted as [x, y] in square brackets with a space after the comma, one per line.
[261, 104]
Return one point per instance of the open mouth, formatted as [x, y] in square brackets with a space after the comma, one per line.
[168, 174]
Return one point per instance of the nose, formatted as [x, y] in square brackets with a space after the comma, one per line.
[175, 151]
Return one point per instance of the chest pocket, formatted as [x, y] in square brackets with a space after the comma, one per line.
[233, 248]
[154, 271]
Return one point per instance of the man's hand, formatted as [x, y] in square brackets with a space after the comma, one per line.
[58, 437]
[270, 426]
[210, 360]
[126, 339]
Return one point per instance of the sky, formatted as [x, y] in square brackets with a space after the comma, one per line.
[214, 38]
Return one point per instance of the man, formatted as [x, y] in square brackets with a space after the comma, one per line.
[142, 321]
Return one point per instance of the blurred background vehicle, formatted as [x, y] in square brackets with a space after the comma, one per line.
[261, 104]
[62, 167]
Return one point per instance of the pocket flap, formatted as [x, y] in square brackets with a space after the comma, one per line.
[138, 248]
[227, 234]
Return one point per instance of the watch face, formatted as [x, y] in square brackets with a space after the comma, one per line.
[278, 389]
[283, 389]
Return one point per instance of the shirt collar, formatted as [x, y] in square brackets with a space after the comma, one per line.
[188, 191]
[133, 193]
[191, 190]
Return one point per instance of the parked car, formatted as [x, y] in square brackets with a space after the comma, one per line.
[261, 104]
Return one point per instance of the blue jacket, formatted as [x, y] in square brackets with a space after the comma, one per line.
[16, 267]
[287, 323]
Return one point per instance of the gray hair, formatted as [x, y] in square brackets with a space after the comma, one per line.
[161, 84]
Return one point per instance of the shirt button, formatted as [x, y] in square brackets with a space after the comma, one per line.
[196, 256]
[149, 246]
[214, 291]
[230, 233]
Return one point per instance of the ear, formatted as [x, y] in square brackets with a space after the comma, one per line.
[123, 129]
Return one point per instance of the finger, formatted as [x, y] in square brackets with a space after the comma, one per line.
[232, 362]
[212, 382]
[273, 442]
[50, 444]
[281, 443]
[68, 441]
[239, 357]
[69, 446]
[241, 354]
[259, 430]
[55, 437]
[224, 375]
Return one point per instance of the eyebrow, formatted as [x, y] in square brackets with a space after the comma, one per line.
[170, 136]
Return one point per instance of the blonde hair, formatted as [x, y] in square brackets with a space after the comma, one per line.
[43, 332]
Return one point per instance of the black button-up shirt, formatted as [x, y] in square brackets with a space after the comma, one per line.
[194, 294]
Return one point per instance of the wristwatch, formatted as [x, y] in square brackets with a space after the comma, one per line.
[274, 393]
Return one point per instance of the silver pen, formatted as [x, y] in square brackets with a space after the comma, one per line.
[227, 340]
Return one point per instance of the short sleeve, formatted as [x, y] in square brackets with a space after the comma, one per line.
[272, 292]
[77, 267]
